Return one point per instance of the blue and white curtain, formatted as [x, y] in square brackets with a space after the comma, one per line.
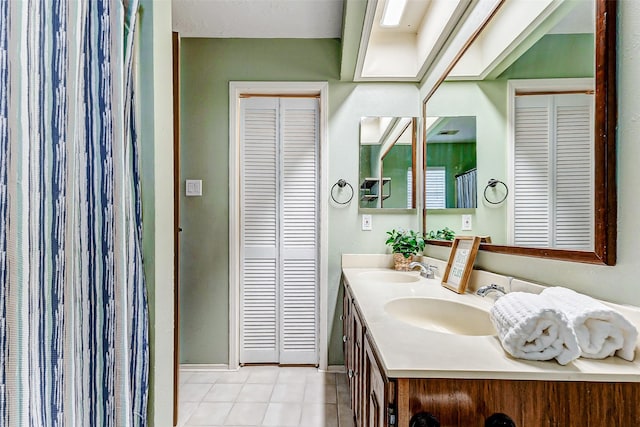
[466, 189]
[73, 304]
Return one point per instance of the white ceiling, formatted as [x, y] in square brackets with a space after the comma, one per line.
[258, 18]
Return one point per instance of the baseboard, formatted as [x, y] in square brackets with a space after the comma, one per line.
[194, 367]
[204, 367]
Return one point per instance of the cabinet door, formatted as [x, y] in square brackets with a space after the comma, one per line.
[346, 329]
[357, 377]
[378, 392]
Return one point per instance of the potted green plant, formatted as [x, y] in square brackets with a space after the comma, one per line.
[405, 244]
[444, 234]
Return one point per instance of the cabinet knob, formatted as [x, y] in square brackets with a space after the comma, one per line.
[350, 373]
[499, 420]
[424, 419]
[341, 317]
[344, 338]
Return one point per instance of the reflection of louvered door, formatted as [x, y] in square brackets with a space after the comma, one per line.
[279, 183]
[553, 172]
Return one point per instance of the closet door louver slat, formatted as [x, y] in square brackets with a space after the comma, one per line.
[531, 176]
[574, 178]
[299, 124]
[259, 231]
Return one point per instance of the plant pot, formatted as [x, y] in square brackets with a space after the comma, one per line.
[401, 263]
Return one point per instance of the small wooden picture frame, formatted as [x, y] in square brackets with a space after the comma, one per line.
[463, 253]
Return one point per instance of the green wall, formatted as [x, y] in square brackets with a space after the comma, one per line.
[555, 56]
[456, 158]
[395, 165]
[207, 66]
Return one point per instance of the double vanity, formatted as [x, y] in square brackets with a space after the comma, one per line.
[413, 346]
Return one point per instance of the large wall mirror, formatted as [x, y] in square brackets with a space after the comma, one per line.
[540, 81]
[387, 163]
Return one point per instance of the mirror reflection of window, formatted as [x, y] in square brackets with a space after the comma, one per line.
[435, 187]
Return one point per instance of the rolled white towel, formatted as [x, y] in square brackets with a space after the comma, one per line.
[601, 330]
[531, 327]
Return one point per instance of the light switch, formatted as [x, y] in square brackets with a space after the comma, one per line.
[466, 222]
[194, 187]
[366, 223]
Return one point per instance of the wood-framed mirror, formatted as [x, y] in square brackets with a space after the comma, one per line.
[387, 164]
[553, 26]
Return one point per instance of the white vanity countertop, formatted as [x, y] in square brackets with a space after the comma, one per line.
[408, 351]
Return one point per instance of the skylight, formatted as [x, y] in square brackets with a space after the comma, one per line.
[392, 14]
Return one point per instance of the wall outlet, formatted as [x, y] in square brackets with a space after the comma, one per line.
[466, 223]
[366, 223]
[193, 187]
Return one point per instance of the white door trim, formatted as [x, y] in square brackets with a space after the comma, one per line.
[236, 89]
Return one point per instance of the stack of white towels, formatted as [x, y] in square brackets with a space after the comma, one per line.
[561, 324]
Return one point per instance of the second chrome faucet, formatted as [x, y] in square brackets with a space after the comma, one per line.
[426, 271]
[486, 290]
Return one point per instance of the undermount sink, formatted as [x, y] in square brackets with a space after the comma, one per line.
[440, 315]
[390, 276]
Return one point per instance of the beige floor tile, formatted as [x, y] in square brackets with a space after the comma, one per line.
[208, 377]
[288, 392]
[210, 414]
[223, 393]
[193, 392]
[246, 414]
[262, 374]
[255, 393]
[320, 393]
[185, 410]
[319, 415]
[294, 374]
[184, 376]
[283, 414]
[233, 377]
[322, 377]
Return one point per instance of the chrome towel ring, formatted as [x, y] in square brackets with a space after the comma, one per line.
[341, 184]
[492, 184]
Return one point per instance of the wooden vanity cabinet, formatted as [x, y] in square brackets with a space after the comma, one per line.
[378, 401]
[469, 402]
[354, 351]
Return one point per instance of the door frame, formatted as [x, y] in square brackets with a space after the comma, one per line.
[236, 90]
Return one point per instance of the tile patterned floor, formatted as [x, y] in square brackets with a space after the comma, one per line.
[264, 396]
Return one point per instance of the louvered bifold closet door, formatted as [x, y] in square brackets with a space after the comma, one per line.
[553, 171]
[574, 172]
[259, 338]
[531, 179]
[299, 120]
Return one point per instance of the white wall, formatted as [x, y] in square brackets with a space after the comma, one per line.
[156, 139]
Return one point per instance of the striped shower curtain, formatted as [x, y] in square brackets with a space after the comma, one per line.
[466, 189]
[73, 307]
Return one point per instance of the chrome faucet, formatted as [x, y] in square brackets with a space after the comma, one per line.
[486, 290]
[426, 271]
